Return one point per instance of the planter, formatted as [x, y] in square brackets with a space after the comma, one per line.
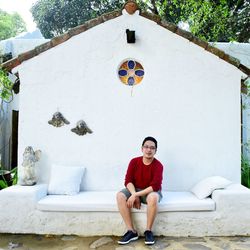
[5, 175]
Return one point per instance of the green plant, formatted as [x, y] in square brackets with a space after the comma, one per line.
[245, 171]
[6, 96]
[6, 86]
[4, 183]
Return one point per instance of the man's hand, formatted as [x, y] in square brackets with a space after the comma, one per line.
[131, 201]
[137, 203]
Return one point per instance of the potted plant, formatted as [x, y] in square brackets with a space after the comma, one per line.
[8, 178]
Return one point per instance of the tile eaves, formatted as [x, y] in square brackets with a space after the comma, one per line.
[27, 55]
[167, 25]
[12, 63]
[43, 47]
[244, 69]
[111, 15]
[60, 39]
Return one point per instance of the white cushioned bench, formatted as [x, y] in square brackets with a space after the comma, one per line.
[106, 201]
[26, 209]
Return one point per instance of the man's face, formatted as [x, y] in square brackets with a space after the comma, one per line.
[149, 149]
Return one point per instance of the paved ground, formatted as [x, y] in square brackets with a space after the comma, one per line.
[42, 242]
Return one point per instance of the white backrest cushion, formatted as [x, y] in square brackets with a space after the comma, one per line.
[205, 187]
[65, 180]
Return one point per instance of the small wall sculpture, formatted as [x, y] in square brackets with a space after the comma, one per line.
[58, 120]
[81, 128]
[28, 173]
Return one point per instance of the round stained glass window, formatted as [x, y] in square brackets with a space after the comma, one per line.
[131, 72]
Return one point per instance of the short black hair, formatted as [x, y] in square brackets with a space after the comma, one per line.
[150, 138]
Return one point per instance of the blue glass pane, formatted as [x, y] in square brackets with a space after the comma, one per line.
[122, 72]
[131, 81]
[131, 64]
[139, 72]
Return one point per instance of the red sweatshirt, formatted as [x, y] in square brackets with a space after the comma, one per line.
[143, 176]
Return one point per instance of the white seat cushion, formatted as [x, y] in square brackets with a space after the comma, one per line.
[106, 201]
[184, 201]
[83, 201]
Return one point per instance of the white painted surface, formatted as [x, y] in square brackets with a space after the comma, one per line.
[189, 100]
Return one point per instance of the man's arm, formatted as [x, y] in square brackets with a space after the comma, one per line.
[135, 195]
[129, 178]
[133, 201]
[131, 188]
[144, 191]
[157, 177]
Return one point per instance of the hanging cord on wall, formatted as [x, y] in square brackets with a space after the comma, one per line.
[132, 88]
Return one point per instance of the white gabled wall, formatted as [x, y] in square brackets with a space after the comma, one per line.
[189, 100]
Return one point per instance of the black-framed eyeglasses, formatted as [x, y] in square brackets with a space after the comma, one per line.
[149, 147]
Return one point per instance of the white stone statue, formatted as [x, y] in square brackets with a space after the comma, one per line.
[28, 173]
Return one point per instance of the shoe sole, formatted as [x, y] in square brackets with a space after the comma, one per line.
[149, 242]
[124, 243]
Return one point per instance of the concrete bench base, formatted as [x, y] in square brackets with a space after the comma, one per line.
[19, 214]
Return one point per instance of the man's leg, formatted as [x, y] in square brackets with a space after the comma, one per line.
[152, 205]
[124, 210]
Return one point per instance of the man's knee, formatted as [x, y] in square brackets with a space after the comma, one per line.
[152, 199]
[121, 197]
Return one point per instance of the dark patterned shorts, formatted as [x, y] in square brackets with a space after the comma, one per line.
[142, 198]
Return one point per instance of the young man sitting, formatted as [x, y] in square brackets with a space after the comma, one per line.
[143, 184]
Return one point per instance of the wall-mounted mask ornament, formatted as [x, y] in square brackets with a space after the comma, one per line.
[27, 172]
[58, 120]
[81, 128]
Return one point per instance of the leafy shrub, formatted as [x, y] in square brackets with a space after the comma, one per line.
[4, 183]
[245, 172]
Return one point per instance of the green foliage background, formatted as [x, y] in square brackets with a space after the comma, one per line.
[6, 85]
[10, 25]
[54, 17]
[245, 171]
[211, 20]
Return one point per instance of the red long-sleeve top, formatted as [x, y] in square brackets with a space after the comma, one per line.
[143, 176]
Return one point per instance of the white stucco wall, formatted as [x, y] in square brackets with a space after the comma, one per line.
[189, 100]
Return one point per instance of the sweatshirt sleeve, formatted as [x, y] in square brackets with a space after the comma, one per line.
[130, 173]
[157, 178]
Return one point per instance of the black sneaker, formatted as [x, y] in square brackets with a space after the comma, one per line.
[149, 237]
[127, 237]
